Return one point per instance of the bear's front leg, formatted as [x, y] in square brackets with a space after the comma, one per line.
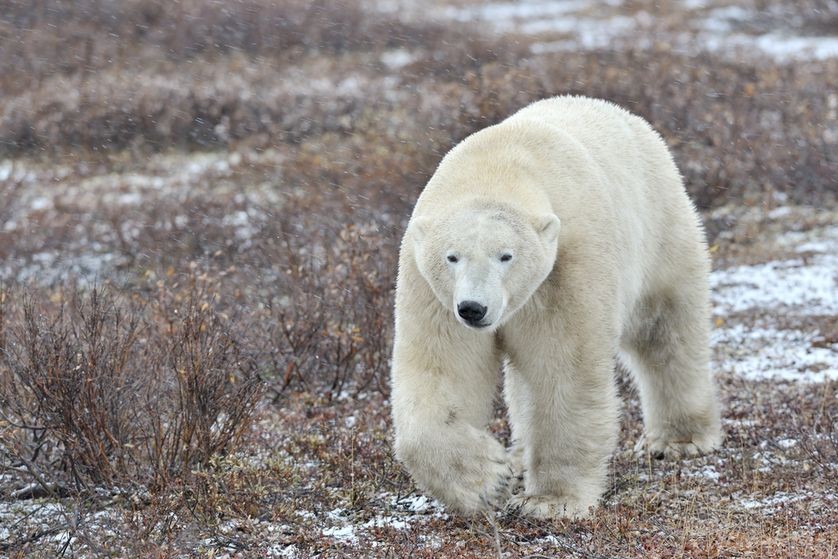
[564, 410]
[445, 379]
[464, 467]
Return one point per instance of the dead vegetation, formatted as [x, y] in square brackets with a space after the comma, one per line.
[99, 391]
[262, 74]
[134, 408]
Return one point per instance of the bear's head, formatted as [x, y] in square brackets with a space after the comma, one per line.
[485, 260]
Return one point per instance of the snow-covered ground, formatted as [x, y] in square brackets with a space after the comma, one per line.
[761, 312]
[742, 29]
[405, 511]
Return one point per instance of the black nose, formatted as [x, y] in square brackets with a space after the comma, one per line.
[471, 311]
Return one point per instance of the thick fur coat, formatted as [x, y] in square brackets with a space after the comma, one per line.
[547, 247]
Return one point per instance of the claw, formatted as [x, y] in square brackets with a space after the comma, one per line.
[513, 508]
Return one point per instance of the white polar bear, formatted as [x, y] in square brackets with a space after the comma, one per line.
[552, 244]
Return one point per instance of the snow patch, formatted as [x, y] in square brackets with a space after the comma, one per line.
[540, 17]
[344, 533]
[504, 14]
[763, 353]
[717, 33]
[589, 27]
[780, 46]
[40, 203]
[810, 285]
[281, 550]
[708, 472]
[787, 443]
[418, 504]
[772, 503]
[404, 512]
[387, 522]
[589, 33]
[797, 288]
[785, 47]
[780, 212]
[397, 58]
[130, 199]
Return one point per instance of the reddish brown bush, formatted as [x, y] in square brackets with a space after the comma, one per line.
[99, 390]
[330, 325]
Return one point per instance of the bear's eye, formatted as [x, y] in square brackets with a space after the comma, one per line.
[453, 259]
[505, 257]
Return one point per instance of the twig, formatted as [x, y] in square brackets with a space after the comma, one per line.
[490, 519]
[9, 545]
[36, 491]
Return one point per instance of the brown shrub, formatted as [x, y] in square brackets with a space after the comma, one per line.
[99, 390]
[329, 318]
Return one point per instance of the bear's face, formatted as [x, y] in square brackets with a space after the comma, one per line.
[484, 264]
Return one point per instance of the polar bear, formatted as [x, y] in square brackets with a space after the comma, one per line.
[547, 247]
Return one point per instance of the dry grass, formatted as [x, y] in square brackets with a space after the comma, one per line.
[131, 420]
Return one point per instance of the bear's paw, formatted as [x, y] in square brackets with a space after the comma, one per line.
[549, 506]
[483, 484]
[673, 448]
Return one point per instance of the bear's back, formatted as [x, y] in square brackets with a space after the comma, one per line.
[623, 144]
[639, 184]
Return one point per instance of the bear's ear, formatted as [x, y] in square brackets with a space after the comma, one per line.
[419, 228]
[548, 227]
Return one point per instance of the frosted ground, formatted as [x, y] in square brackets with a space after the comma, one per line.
[729, 29]
[764, 311]
[775, 307]
[774, 304]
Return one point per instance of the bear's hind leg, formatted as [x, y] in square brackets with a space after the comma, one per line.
[667, 350]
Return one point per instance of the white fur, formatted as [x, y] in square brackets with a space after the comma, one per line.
[608, 259]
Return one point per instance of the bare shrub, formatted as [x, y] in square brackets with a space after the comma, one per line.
[331, 325]
[70, 387]
[98, 390]
[212, 388]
